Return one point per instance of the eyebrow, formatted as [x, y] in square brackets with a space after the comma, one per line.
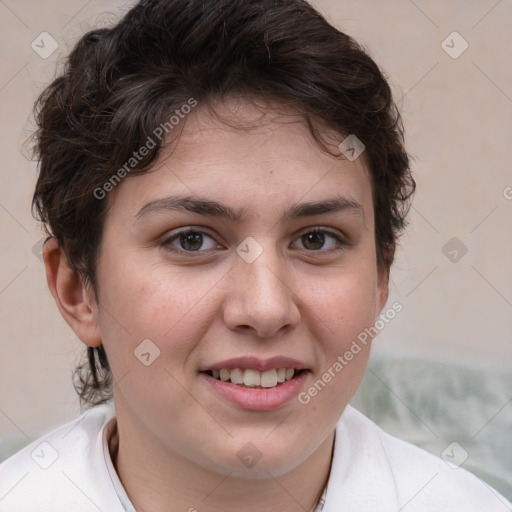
[212, 208]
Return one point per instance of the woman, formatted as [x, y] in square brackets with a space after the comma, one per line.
[223, 185]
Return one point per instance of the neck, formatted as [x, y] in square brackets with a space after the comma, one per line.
[155, 476]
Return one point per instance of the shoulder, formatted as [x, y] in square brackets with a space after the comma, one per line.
[64, 469]
[374, 469]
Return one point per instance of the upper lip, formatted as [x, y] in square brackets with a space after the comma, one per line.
[256, 363]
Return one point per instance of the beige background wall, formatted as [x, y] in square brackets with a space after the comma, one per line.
[458, 115]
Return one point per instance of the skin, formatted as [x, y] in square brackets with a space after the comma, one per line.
[178, 440]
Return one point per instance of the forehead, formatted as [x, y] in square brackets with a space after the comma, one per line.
[247, 155]
[242, 129]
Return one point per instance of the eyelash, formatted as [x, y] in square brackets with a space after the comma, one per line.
[168, 241]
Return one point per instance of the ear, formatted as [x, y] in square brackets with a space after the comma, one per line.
[383, 283]
[382, 293]
[74, 300]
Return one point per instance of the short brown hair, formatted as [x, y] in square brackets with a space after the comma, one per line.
[120, 83]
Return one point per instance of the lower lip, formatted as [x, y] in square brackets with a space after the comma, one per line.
[258, 399]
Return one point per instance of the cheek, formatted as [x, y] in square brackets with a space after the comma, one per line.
[343, 348]
[154, 322]
[342, 311]
[344, 304]
[140, 302]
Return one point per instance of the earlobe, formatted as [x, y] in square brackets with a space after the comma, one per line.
[70, 293]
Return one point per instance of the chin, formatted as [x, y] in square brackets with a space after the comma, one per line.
[257, 460]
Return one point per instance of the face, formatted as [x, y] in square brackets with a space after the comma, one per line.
[241, 254]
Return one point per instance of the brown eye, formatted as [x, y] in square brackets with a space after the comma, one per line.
[191, 241]
[313, 241]
[321, 241]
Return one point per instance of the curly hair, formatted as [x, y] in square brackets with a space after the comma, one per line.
[119, 83]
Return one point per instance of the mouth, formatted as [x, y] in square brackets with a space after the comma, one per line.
[254, 379]
[256, 384]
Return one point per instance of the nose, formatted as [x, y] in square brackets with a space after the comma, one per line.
[259, 297]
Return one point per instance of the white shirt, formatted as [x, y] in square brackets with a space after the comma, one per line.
[70, 470]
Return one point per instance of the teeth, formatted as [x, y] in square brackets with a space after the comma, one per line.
[269, 379]
[237, 376]
[254, 378]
